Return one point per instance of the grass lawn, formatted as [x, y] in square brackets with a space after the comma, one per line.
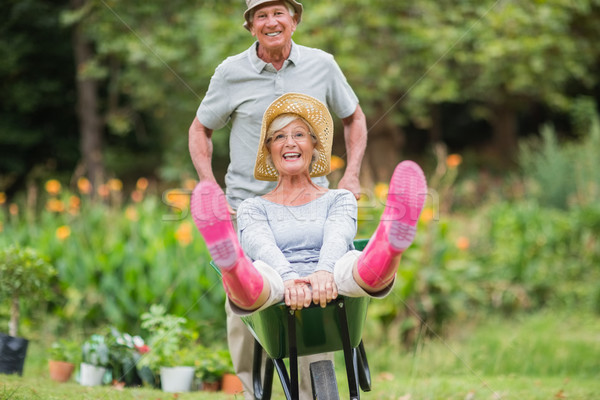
[541, 356]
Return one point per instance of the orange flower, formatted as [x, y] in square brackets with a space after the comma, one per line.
[190, 184]
[131, 213]
[142, 184]
[53, 187]
[337, 163]
[427, 215]
[381, 191]
[184, 233]
[55, 205]
[104, 190]
[13, 209]
[63, 232]
[462, 243]
[137, 196]
[453, 160]
[2, 198]
[178, 198]
[84, 185]
[115, 185]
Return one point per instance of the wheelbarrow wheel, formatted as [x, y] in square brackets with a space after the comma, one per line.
[323, 381]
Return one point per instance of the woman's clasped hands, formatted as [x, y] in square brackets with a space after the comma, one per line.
[318, 287]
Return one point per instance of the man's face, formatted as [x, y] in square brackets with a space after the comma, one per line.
[272, 25]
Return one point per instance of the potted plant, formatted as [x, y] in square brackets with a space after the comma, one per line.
[95, 357]
[124, 357]
[24, 274]
[168, 356]
[211, 366]
[64, 355]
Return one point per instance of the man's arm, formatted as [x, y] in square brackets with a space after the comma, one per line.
[201, 149]
[355, 136]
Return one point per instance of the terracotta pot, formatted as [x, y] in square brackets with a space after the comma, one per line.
[60, 371]
[231, 384]
[210, 386]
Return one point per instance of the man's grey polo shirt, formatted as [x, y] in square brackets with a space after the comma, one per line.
[242, 88]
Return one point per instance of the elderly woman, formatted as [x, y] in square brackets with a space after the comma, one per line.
[295, 242]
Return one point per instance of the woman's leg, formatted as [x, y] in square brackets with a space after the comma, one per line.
[244, 285]
[377, 265]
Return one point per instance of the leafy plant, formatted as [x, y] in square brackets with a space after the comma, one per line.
[124, 356]
[167, 341]
[24, 274]
[65, 350]
[212, 364]
[95, 351]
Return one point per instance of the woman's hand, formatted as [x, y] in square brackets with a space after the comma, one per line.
[323, 287]
[297, 293]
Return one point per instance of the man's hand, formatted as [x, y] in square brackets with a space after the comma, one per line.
[350, 182]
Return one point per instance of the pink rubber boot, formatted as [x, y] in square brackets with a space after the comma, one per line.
[408, 189]
[243, 283]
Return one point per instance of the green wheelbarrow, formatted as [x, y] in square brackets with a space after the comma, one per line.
[284, 333]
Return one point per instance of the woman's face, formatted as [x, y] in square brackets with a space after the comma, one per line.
[272, 25]
[292, 149]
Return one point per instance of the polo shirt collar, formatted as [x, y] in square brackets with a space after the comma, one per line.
[259, 64]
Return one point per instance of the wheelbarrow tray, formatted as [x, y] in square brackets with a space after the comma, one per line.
[318, 330]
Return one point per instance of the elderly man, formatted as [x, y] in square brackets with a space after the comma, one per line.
[240, 90]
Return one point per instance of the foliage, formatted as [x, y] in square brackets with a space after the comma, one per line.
[563, 174]
[212, 364]
[24, 275]
[95, 351]
[124, 354]
[168, 339]
[65, 350]
[116, 256]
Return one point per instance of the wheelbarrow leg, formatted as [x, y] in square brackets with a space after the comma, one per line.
[350, 354]
[262, 388]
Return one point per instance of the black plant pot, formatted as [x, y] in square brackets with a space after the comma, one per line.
[12, 354]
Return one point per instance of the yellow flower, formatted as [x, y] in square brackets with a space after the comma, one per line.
[453, 160]
[184, 233]
[63, 232]
[337, 163]
[2, 198]
[53, 187]
[142, 184]
[462, 243]
[190, 184]
[381, 191]
[13, 209]
[84, 185]
[131, 213]
[55, 205]
[115, 185]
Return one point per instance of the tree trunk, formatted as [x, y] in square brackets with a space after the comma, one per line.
[505, 125]
[13, 324]
[90, 121]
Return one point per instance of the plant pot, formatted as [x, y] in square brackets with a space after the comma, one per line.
[12, 354]
[231, 384]
[211, 386]
[91, 375]
[60, 371]
[176, 379]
